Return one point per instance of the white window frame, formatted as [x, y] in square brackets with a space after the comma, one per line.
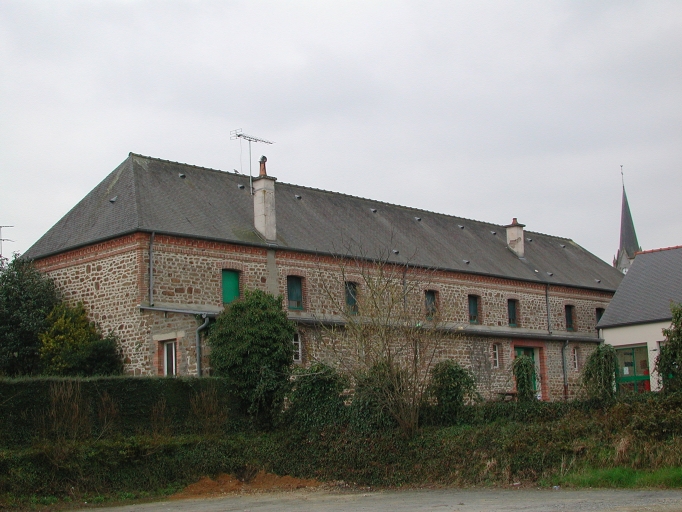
[496, 355]
[170, 345]
[574, 352]
[298, 353]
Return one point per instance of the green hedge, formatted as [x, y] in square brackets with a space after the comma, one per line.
[35, 409]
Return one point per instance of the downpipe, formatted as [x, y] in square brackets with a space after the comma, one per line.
[198, 342]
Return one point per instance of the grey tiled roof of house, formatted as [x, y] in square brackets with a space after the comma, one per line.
[150, 195]
[653, 281]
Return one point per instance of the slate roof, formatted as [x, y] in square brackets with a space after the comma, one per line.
[653, 281]
[150, 195]
[628, 237]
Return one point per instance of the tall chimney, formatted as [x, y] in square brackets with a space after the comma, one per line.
[264, 204]
[515, 237]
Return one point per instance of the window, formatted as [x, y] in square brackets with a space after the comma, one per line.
[169, 358]
[351, 297]
[297, 348]
[473, 309]
[431, 303]
[512, 312]
[295, 292]
[496, 355]
[570, 318]
[599, 312]
[575, 358]
[230, 286]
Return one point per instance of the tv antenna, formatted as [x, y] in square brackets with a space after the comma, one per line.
[4, 239]
[237, 134]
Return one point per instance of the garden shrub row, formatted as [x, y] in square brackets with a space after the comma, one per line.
[33, 409]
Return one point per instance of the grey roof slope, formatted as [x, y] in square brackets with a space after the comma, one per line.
[151, 196]
[653, 281]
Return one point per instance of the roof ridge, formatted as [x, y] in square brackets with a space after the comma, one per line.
[185, 164]
[649, 251]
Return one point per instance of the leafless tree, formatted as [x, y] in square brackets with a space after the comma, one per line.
[383, 323]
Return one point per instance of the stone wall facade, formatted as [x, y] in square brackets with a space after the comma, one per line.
[112, 280]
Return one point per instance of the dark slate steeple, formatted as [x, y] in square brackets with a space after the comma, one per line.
[628, 238]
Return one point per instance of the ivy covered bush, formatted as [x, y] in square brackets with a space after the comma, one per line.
[599, 373]
[450, 389]
[252, 347]
[523, 369]
[669, 361]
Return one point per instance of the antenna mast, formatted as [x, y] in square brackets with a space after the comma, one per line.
[4, 239]
[237, 134]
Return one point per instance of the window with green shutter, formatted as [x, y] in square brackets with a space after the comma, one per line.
[430, 303]
[294, 292]
[512, 310]
[230, 286]
[570, 318]
[351, 297]
[473, 309]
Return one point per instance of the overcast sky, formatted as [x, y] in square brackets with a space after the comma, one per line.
[485, 110]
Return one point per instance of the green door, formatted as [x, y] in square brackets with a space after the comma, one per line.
[527, 351]
[633, 370]
[230, 286]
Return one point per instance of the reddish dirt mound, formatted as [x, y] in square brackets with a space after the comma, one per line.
[225, 484]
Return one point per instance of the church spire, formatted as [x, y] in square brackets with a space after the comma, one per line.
[628, 238]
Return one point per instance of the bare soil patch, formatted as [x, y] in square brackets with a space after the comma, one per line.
[230, 484]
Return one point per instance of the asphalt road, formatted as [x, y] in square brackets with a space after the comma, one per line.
[446, 500]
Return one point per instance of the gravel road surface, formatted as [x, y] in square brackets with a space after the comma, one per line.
[446, 500]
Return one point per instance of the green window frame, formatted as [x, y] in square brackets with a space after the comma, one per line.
[512, 312]
[294, 292]
[351, 290]
[473, 309]
[230, 285]
[431, 303]
[570, 318]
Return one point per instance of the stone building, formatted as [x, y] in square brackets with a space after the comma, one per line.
[158, 247]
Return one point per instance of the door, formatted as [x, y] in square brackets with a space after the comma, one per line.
[633, 370]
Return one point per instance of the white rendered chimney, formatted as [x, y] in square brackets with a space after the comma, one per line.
[264, 204]
[515, 237]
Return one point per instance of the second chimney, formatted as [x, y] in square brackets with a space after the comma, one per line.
[264, 204]
[515, 237]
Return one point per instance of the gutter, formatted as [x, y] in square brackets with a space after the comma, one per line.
[338, 320]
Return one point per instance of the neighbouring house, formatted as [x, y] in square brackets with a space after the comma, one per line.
[158, 248]
[640, 310]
